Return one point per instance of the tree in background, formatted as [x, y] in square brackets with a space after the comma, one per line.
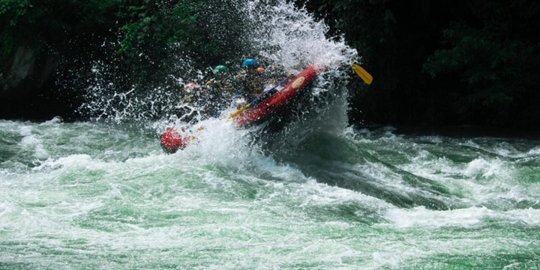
[443, 62]
[493, 54]
[36, 40]
[437, 63]
[159, 34]
[140, 41]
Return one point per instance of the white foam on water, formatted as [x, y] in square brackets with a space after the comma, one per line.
[420, 217]
[484, 169]
[534, 152]
[202, 201]
[32, 142]
[482, 180]
[319, 194]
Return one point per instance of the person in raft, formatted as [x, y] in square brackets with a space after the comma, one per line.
[221, 89]
[250, 79]
[252, 83]
[245, 85]
[259, 83]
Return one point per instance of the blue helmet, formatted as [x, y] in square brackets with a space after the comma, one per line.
[250, 63]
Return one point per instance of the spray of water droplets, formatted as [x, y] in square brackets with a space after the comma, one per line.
[279, 34]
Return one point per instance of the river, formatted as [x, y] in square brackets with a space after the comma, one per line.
[92, 196]
[318, 194]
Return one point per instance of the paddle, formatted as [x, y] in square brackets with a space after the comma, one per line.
[362, 73]
[266, 94]
[239, 111]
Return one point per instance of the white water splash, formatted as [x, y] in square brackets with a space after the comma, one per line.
[290, 36]
[281, 34]
[462, 218]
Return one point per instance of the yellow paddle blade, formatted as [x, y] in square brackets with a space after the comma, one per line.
[363, 74]
[239, 111]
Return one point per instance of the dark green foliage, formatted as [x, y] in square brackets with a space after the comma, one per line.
[443, 62]
[158, 24]
[141, 42]
[440, 62]
[159, 34]
[496, 62]
[154, 28]
[12, 14]
[53, 23]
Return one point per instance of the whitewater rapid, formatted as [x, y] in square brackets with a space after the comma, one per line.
[318, 194]
[88, 195]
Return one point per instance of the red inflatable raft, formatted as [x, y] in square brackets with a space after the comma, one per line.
[171, 140]
[279, 99]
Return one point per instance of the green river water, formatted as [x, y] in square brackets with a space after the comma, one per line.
[94, 196]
